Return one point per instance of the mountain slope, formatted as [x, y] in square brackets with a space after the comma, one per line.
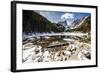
[83, 26]
[34, 22]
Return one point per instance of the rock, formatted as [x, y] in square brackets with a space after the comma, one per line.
[84, 55]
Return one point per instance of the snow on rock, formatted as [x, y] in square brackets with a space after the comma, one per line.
[84, 55]
[76, 50]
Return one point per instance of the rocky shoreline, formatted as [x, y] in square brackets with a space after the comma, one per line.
[55, 49]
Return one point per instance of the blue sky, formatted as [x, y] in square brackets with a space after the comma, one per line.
[55, 17]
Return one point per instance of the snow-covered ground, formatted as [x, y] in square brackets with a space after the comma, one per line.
[75, 50]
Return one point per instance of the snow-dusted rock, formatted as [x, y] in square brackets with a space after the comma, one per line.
[84, 55]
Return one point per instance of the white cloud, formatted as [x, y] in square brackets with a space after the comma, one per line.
[67, 16]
